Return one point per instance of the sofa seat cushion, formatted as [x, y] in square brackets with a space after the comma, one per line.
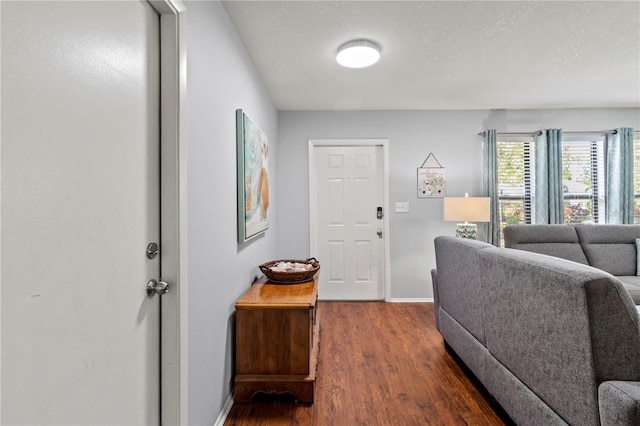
[632, 284]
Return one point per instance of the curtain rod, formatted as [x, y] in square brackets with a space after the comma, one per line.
[539, 132]
[601, 132]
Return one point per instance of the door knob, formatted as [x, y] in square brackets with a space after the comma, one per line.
[379, 233]
[157, 287]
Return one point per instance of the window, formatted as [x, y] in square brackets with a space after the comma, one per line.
[582, 179]
[515, 158]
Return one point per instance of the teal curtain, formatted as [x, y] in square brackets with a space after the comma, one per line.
[490, 180]
[548, 191]
[619, 176]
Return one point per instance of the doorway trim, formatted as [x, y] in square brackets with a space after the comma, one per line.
[313, 237]
[173, 206]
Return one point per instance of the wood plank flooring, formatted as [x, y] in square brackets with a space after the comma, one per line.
[379, 364]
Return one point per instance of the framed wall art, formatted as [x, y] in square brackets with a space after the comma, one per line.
[253, 178]
[431, 179]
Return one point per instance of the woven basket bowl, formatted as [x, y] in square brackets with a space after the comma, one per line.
[290, 277]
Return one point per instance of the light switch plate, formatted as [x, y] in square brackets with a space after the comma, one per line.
[402, 207]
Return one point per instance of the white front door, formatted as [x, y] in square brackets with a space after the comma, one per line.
[80, 203]
[347, 234]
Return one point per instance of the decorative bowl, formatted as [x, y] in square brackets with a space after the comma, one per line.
[290, 276]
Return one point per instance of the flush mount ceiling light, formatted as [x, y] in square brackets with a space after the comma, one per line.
[358, 54]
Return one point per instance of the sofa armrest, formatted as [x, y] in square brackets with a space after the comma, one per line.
[619, 403]
[436, 298]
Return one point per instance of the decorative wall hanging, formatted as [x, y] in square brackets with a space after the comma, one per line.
[253, 178]
[431, 179]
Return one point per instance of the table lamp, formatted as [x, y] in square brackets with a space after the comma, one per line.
[466, 209]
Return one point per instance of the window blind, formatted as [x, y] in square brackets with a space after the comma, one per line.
[515, 160]
[582, 182]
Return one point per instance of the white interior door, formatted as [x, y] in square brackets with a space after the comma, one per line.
[347, 191]
[80, 203]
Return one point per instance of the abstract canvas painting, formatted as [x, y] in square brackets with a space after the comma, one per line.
[253, 178]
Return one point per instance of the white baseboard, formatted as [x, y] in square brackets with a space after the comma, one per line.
[225, 411]
[423, 300]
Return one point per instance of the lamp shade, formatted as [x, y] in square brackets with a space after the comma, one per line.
[466, 209]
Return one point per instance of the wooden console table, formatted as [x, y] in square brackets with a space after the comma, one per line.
[277, 339]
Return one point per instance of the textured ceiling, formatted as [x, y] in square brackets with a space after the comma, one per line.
[446, 54]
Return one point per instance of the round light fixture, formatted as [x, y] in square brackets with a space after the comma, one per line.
[358, 54]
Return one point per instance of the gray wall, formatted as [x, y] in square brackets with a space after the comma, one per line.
[221, 78]
[452, 136]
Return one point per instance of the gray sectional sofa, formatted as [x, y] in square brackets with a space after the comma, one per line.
[611, 248]
[553, 341]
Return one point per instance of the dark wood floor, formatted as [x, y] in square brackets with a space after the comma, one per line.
[379, 364]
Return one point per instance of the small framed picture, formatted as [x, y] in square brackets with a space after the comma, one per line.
[431, 180]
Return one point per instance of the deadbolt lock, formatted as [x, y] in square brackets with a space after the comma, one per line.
[152, 250]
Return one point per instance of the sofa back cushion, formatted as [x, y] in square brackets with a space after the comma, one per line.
[560, 327]
[459, 291]
[611, 248]
[553, 240]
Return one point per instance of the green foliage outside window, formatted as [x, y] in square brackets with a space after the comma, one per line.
[511, 167]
